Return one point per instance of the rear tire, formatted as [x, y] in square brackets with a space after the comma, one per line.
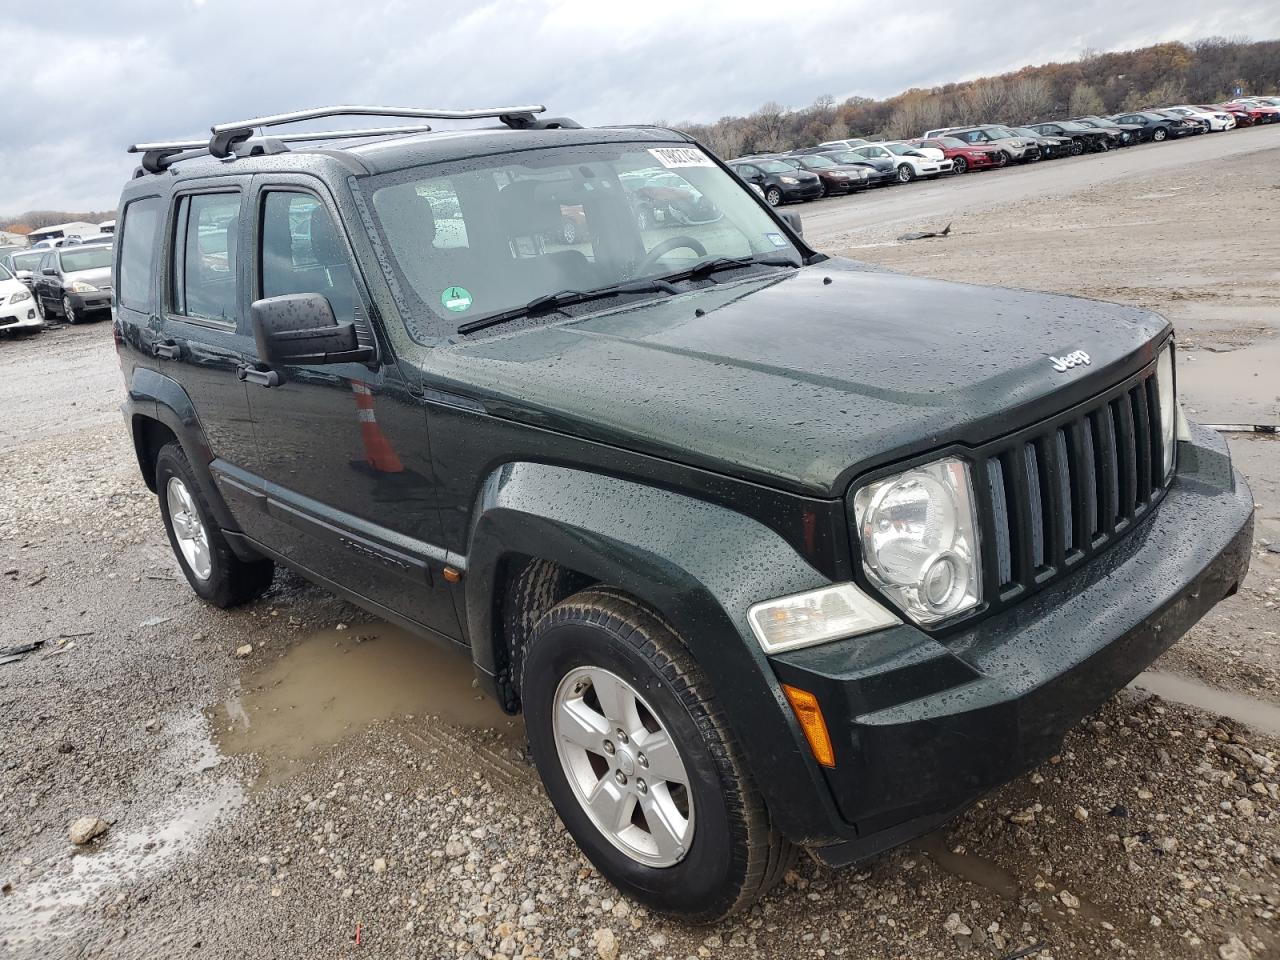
[227, 581]
[599, 654]
[1158, 134]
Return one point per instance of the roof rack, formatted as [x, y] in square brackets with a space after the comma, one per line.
[228, 139]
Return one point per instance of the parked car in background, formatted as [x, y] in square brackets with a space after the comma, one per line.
[837, 178]
[847, 144]
[1259, 112]
[963, 156]
[930, 134]
[909, 163]
[1217, 120]
[1197, 124]
[74, 282]
[18, 308]
[1089, 139]
[24, 264]
[1157, 126]
[1127, 134]
[882, 170]
[658, 197]
[1051, 147]
[781, 182]
[10, 248]
[1002, 139]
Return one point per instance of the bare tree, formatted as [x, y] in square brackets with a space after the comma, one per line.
[1085, 101]
[985, 101]
[1028, 99]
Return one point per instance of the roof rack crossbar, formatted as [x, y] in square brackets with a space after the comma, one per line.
[290, 137]
[298, 116]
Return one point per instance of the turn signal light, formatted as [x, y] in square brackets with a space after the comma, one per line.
[809, 713]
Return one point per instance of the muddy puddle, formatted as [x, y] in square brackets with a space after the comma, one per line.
[1235, 386]
[1258, 714]
[336, 683]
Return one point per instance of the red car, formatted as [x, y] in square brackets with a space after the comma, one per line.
[963, 156]
[1254, 112]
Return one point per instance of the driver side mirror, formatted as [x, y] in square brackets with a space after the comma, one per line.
[300, 328]
[23, 275]
[792, 220]
[49, 272]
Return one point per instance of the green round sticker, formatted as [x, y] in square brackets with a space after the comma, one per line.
[456, 299]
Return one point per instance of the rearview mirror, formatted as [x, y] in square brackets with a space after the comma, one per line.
[300, 328]
[49, 272]
[792, 220]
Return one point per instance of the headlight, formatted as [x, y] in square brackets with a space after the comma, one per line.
[1169, 412]
[804, 619]
[79, 286]
[919, 539]
[788, 179]
[20, 296]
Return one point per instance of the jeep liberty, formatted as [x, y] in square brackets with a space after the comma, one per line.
[770, 552]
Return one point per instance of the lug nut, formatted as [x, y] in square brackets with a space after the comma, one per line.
[621, 778]
[609, 748]
[643, 761]
[622, 736]
[642, 786]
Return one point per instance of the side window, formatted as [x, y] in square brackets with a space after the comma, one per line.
[302, 252]
[203, 270]
[137, 243]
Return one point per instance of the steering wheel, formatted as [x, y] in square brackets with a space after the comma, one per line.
[666, 246]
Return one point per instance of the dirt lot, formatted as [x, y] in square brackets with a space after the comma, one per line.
[340, 791]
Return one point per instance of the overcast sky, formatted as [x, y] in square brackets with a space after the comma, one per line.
[82, 80]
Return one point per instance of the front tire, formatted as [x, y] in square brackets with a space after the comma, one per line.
[959, 165]
[215, 573]
[1159, 134]
[1003, 158]
[639, 761]
[69, 311]
[773, 197]
[905, 173]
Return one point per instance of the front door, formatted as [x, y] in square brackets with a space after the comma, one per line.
[342, 447]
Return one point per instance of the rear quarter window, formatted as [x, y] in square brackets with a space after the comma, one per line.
[136, 240]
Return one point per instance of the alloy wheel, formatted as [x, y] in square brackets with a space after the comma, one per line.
[623, 766]
[188, 529]
[960, 165]
[773, 196]
[69, 311]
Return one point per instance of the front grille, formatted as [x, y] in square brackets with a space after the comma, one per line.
[1055, 495]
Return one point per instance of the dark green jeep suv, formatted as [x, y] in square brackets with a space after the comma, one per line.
[771, 549]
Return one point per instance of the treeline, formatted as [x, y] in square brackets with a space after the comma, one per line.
[1205, 71]
[35, 219]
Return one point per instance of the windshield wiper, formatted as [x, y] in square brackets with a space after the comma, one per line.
[554, 301]
[718, 264]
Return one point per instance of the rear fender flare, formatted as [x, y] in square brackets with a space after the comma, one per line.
[699, 565]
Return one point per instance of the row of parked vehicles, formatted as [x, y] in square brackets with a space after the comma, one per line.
[848, 166]
[70, 280]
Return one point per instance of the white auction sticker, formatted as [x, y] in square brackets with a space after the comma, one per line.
[673, 157]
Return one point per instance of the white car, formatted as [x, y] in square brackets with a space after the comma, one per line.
[910, 162]
[18, 309]
[842, 144]
[932, 153]
[1217, 119]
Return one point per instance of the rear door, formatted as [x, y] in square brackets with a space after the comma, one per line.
[204, 336]
[342, 448]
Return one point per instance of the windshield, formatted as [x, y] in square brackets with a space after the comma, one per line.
[26, 261]
[5, 274]
[1000, 132]
[1071, 125]
[772, 166]
[952, 142]
[901, 149]
[85, 258]
[1025, 132]
[487, 235]
[817, 163]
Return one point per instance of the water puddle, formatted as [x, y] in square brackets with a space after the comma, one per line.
[337, 682]
[147, 840]
[977, 870]
[1261, 716]
[1237, 386]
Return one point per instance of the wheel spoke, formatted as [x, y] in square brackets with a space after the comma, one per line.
[581, 725]
[616, 700]
[666, 826]
[663, 761]
[611, 805]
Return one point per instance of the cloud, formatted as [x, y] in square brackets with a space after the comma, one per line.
[85, 79]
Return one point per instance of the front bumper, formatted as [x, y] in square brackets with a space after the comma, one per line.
[801, 191]
[19, 316]
[923, 727]
[88, 302]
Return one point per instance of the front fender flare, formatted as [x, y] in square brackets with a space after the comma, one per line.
[699, 565]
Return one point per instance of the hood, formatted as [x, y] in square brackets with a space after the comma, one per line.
[100, 277]
[801, 379]
[9, 287]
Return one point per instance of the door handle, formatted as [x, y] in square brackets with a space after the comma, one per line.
[168, 349]
[264, 378]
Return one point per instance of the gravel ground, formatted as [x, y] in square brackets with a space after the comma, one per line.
[254, 805]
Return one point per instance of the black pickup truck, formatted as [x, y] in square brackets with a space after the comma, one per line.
[772, 549]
